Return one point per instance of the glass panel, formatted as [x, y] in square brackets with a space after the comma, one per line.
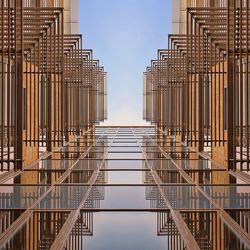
[229, 197]
[123, 140]
[86, 164]
[50, 164]
[212, 231]
[37, 177]
[125, 231]
[124, 144]
[133, 197]
[66, 197]
[124, 177]
[171, 176]
[128, 164]
[82, 177]
[20, 197]
[161, 164]
[186, 197]
[39, 232]
[124, 155]
[127, 148]
[196, 164]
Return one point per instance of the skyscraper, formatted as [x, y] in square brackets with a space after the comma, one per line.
[52, 94]
[181, 182]
[51, 86]
[196, 92]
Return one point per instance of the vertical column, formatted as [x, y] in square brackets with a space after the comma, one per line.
[19, 82]
[230, 84]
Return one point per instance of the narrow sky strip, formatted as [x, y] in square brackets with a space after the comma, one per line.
[125, 35]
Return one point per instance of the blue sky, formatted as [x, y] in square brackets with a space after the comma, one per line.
[125, 36]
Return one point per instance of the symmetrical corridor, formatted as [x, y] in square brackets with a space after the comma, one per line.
[127, 189]
[179, 180]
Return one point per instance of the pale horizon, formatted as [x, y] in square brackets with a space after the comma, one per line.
[125, 36]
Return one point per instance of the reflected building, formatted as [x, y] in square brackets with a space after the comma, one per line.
[79, 199]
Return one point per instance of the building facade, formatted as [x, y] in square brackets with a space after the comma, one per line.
[196, 94]
[51, 87]
[195, 71]
[52, 95]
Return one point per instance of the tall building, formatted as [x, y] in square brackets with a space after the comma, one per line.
[52, 88]
[196, 95]
[179, 11]
[180, 183]
[52, 95]
[70, 11]
[209, 112]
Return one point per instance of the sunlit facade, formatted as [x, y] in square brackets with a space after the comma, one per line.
[51, 87]
[67, 182]
[52, 96]
[196, 95]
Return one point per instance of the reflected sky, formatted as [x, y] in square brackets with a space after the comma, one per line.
[125, 177]
[118, 197]
[132, 164]
[125, 231]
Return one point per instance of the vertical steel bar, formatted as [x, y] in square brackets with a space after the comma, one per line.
[30, 104]
[19, 84]
[8, 88]
[241, 83]
[247, 84]
[62, 80]
[35, 97]
[2, 90]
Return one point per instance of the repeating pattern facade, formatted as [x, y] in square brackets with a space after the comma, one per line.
[53, 93]
[196, 94]
[51, 87]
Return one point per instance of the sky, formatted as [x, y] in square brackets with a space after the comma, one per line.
[125, 36]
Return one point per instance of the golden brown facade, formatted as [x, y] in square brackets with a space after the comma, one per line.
[51, 87]
[196, 95]
[52, 95]
[197, 88]
[64, 179]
